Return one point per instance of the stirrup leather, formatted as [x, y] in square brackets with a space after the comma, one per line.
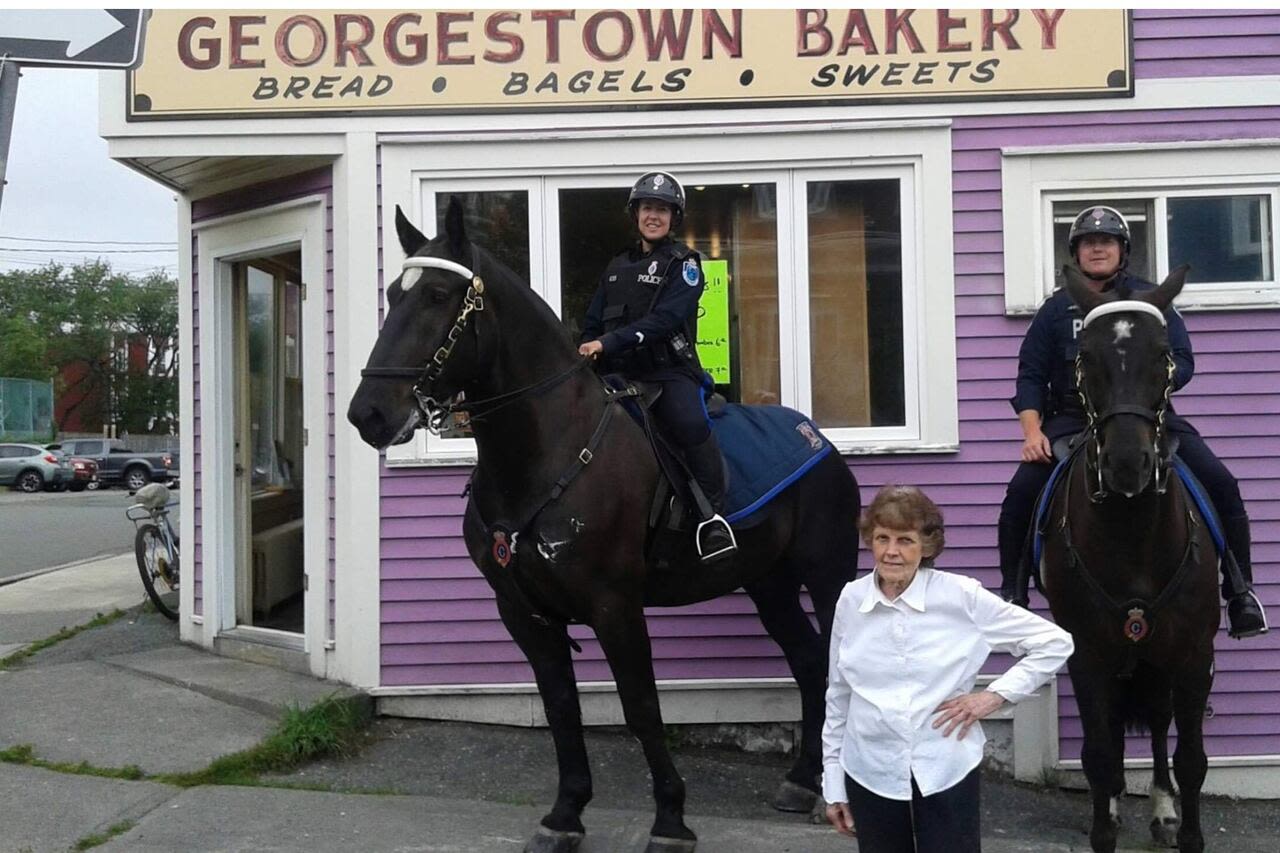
[716, 519]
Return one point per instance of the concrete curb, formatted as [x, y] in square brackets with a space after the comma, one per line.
[38, 572]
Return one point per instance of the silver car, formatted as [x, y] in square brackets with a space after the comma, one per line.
[30, 468]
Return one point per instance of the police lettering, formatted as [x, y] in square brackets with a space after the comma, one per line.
[582, 82]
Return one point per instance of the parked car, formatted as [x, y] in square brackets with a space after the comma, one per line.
[30, 468]
[117, 464]
[84, 471]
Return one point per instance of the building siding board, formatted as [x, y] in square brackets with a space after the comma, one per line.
[438, 620]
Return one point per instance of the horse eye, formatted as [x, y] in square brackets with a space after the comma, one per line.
[439, 295]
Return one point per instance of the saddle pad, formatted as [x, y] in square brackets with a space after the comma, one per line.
[1193, 486]
[767, 448]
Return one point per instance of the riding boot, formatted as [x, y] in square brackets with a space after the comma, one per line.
[1014, 571]
[714, 537]
[1245, 614]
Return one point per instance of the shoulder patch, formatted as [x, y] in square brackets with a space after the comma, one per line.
[690, 273]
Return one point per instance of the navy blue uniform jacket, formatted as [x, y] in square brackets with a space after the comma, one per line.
[677, 302]
[1046, 362]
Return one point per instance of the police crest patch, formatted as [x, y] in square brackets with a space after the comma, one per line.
[690, 273]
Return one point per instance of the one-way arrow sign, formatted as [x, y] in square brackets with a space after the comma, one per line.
[84, 38]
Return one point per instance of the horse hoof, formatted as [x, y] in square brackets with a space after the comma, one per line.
[660, 844]
[553, 841]
[1164, 831]
[791, 797]
[818, 815]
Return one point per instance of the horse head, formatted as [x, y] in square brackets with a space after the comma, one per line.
[1124, 374]
[435, 337]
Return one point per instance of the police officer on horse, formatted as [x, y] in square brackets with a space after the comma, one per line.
[1049, 408]
[642, 324]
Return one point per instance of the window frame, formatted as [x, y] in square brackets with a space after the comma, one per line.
[1034, 178]
[414, 169]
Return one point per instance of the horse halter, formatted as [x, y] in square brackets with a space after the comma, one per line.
[1156, 416]
[436, 413]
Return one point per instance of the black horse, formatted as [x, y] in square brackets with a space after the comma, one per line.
[1130, 569]
[576, 551]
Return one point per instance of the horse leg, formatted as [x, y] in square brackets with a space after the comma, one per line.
[547, 649]
[1103, 752]
[1189, 761]
[1164, 818]
[623, 635]
[778, 601]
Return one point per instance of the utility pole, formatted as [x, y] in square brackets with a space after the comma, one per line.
[10, 71]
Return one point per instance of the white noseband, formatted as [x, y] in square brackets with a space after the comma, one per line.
[1121, 305]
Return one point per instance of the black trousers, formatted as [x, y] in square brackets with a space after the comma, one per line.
[949, 821]
[1020, 498]
[680, 411]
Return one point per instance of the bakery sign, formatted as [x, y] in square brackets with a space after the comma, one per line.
[210, 64]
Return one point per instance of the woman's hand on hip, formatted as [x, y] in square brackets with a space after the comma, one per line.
[964, 711]
[841, 818]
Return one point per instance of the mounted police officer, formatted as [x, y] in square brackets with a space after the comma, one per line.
[642, 324]
[1049, 408]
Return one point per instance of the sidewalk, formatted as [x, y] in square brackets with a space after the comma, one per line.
[130, 694]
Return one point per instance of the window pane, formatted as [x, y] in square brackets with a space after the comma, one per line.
[734, 227]
[1138, 212]
[855, 274]
[1223, 238]
[263, 399]
[498, 220]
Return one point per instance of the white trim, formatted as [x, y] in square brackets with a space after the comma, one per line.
[540, 162]
[1124, 305]
[188, 626]
[301, 224]
[1256, 777]
[1157, 94]
[1032, 179]
[355, 656]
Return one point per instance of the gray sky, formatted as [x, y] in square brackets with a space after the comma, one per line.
[64, 191]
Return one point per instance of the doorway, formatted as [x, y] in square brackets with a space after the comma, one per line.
[268, 442]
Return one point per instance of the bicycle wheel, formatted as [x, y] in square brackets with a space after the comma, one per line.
[160, 581]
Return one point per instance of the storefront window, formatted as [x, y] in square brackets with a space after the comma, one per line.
[1139, 213]
[1224, 238]
[734, 228]
[855, 303]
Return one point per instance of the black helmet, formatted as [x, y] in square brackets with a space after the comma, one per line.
[1100, 220]
[658, 186]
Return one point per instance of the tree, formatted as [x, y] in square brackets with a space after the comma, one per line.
[108, 339]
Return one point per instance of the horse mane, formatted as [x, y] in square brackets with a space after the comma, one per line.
[531, 302]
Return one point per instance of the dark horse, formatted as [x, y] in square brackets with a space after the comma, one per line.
[1130, 569]
[579, 549]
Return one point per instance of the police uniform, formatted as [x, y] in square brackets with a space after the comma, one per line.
[643, 314]
[1046, 383]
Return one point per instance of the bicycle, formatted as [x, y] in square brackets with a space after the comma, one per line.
[156, 547]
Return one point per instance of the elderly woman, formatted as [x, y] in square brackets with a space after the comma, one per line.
[906, 645]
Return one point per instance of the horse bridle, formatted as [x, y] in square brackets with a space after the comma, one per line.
[436, 413]
[1156, 416]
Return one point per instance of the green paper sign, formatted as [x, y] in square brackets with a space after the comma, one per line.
[713, 321]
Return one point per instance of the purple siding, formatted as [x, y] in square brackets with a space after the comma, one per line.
[1205, 43]
[438, 621]
[239, 201]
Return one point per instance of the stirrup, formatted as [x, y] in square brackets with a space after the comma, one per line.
[714, 521]
[1249, 632]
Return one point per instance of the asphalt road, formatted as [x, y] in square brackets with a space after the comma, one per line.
[49, 529]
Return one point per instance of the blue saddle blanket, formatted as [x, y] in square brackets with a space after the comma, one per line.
[1193, 487]
[767, 448]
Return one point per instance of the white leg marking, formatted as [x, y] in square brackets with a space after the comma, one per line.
[1115, 808]
[1162, 805]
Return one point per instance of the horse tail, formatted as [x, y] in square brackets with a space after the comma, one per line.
[1145, 699]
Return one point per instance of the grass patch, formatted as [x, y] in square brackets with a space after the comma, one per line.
[100, 838]
[332, 727]
[24, 754]
[65, 634]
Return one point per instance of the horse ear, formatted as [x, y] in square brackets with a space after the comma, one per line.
[1084, 296]
[455, 226]
[411, 239]
[1162, 297]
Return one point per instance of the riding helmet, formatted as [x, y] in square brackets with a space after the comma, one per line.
[1100, 220]
[659, 186]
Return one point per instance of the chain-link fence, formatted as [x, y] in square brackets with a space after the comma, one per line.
[26, 410]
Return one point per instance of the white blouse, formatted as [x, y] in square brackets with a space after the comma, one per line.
[894, 662]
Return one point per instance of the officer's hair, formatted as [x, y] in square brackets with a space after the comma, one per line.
[906, 508]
